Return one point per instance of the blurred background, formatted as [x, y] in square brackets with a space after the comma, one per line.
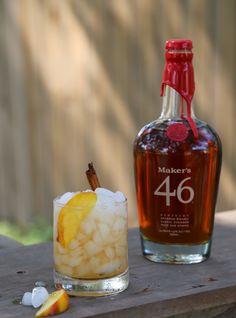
[79, 78]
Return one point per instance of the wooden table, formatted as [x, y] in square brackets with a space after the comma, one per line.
[156, 290]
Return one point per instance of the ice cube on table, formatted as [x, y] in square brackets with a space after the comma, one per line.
[27, 299]
[40, 283]
[39, 296]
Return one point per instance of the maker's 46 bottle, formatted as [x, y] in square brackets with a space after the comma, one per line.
[177, 168]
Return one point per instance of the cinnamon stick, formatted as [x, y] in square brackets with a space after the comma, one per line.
[92, 177]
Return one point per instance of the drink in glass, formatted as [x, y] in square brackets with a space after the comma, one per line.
[90, 242]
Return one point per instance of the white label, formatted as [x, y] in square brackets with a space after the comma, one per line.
[176, 192]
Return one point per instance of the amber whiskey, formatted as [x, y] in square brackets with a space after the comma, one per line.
[177, 160]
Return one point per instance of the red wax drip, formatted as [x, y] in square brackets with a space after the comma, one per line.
[179, 75]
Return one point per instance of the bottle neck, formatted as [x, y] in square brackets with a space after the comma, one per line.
[178, 86]
[174, 106]
[179, 74]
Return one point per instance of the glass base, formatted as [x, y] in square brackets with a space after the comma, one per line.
[175, 253]
[92, 287]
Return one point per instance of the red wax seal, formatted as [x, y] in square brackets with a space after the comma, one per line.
[178, 74]
[177, 132]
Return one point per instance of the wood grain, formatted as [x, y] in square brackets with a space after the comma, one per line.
[6, 242]
[156, 290]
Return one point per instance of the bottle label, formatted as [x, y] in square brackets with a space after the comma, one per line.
[175, 186]
[164, 190]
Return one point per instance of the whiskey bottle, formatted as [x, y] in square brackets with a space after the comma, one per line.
[177, 163]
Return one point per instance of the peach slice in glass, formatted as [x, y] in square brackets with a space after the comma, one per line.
[72, 214]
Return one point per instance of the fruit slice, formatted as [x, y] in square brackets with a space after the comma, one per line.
[56, 303]
[72, 214]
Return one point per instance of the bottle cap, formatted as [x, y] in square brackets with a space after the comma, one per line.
[175, 44]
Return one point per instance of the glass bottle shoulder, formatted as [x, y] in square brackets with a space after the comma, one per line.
[152, 137]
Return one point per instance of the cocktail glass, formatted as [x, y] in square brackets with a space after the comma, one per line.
[90, 243]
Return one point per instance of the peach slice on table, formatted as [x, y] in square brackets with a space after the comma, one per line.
[72, 214]
[56, 303]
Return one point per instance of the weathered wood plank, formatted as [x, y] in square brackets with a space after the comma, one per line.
[156, 290]
[6, 242]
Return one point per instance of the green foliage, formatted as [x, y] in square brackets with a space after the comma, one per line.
[37, 232]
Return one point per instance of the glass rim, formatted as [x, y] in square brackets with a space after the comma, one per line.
[64, 205]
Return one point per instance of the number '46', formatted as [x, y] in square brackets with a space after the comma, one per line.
[177, 192]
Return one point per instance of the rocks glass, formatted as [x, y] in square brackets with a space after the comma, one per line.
[90, 243]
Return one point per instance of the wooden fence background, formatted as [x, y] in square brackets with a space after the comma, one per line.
[78, 79]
